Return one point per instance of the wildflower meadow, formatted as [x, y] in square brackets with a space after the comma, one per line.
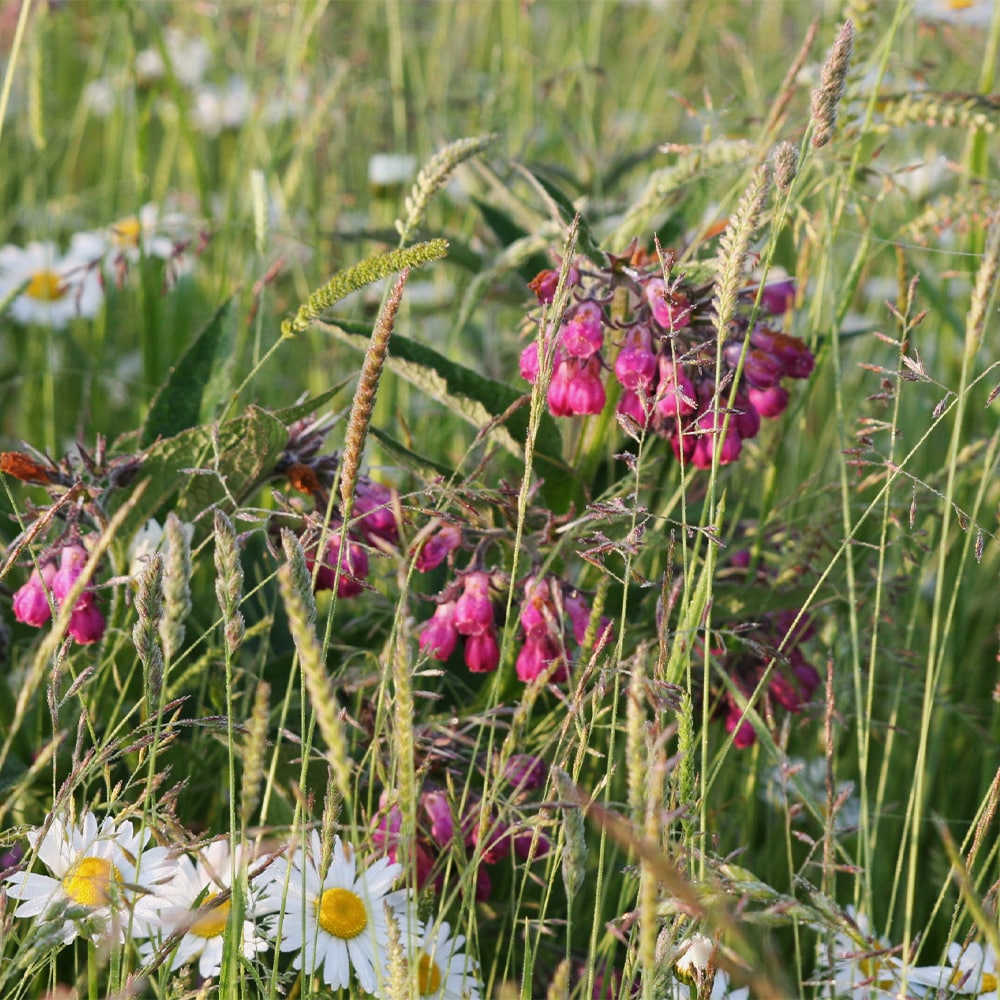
[500, 499]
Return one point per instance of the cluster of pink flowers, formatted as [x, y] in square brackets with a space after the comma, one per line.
[776, 636]
[659, 339]
[552, 614]
[548, 604]
[468, 613]
[375, 525]
[50, 583]
[440, 828]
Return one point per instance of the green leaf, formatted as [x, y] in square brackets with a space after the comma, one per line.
[509, 232]
[177, 404]
[568, 212]
[472, 396]
[409, 459]
[208, 465]
[289, 414]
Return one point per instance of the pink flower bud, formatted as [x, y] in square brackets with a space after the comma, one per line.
[635, 367]
[482, 652]
[525, 771]
[31, 601]
[583, 334]
[373, 502]
[537, 611]
[671, 310]
[746, 418]
[631, 406]
[536, 657]
[439, 636]
[86, 623]
[437, 810]
[675, 395]
[585, 393]
[353, 567]
[441, 544]
[768, 402]
[778, 296]
[474, 609]
[72, 559]
[529, 364]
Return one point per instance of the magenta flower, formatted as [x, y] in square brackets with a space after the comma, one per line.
[482, 652]
[72, 559]
[438, 547]
[31, 601]
[374, 503]
[353, 567]
[474, 609]
[86, 624]
[439, 636]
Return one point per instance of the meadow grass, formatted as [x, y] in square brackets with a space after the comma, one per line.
[747, 743]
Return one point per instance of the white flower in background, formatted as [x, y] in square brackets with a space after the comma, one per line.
[288, 104]
[105, 879]
[696, 962]
[192, 892]
[978, 13]
[335, 922]
[219, 108]
[148, 540]
[439, 969]
[391, 169]
[57, 287]
[189, 59]
[862, 966]
[785, 783]
[971, 972]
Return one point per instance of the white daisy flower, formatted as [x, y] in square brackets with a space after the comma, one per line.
[105, 880]
[219, 108]
[386, 170]
[190, 912]
[975, 13]
[862, 966]
[338, 921]
[440, 970]
[56, 288]
[189, 59]
[971, 972]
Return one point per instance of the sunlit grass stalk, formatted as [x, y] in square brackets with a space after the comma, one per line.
[322, 699]
[176, 588]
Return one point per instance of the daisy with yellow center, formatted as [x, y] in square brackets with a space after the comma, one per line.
[196, 912]
[439, 970]
[104, 883]
[49, 288]
[336, 922]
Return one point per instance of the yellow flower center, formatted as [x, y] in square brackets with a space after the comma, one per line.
[125, 232]
[213, 919]
[45, 286]
[870, 969]
[988, 983]
[341, 913]
[959, 4]
[89, 881]
[428, 975]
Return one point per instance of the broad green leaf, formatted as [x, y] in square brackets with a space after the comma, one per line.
[568, 213]
[289, 414]
[475, 398]
[409, 459]
[177, 404]
[208, 465]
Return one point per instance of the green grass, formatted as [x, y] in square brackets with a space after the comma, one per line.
[870, 502]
